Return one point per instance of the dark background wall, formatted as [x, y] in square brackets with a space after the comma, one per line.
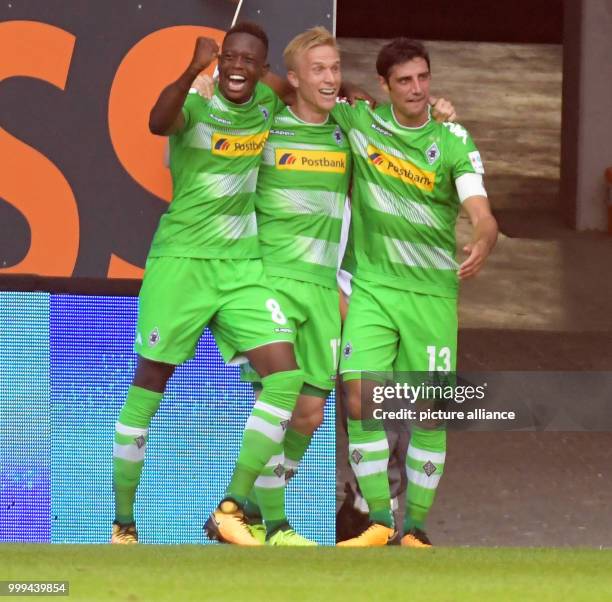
[520, 21]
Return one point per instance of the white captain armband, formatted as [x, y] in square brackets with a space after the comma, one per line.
[470, 184]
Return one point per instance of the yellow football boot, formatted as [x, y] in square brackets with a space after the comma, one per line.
[124, 534]
[415, 538]
[375, 535]
[227, 524]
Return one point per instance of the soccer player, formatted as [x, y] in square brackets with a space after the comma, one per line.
[302, 185]
[204, 268]
[301, 191]
[411, 175]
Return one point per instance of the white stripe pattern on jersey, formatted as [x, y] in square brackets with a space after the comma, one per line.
[391, 204]
[419, 255]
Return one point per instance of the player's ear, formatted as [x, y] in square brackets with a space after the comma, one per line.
[383, 84]
[293, 79]
[264, 70]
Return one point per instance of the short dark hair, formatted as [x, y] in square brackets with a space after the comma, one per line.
[397, 51]
[252, 29]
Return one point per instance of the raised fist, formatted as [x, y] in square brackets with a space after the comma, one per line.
[206, 51]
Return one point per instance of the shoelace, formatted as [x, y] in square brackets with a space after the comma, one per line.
[372, 526]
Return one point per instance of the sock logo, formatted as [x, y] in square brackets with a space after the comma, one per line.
[356, 456]
[140, 442]
[429, 468]
[284, 424]
[279, 471]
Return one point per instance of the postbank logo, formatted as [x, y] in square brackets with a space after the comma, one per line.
[309, 160]
[238, 146]
[403, 170]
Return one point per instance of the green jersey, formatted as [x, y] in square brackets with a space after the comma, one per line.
[303, 182]
[404, 200]
[214, 162]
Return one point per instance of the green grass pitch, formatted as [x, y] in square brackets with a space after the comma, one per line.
[184, 573]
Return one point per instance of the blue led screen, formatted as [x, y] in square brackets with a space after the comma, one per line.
[67, 362]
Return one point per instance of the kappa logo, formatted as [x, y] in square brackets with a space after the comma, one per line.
[279, 471]
[284, 424]
[264, 112]
[348, 350]
[287, 159]
[381, 131]
[220, 119]
[154, 337]
[458, 130]
[140, 442]
[282, 132]
[222, 144]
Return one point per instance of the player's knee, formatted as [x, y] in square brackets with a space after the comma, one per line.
[312, 421]
[353, 405]
[152, 376]
[433, 439]
[282, 388]
[272, 359]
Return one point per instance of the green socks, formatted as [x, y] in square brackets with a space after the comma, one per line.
[424, 467]
[131, 436]
[261, 456]
[369, 457]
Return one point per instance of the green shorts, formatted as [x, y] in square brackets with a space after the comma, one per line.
[391, 330]
[180, 296]
[314, 309]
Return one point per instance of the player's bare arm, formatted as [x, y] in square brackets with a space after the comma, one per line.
[352, 92]
[484, 235]
[283, 89]
[166, 116]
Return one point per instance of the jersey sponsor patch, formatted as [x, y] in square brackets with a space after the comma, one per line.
[399, 168]
[228, 145]
[476, 162]
[309, 160]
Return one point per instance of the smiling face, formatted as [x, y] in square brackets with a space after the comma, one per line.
[241, 64]
[317, 78]
[408, 87]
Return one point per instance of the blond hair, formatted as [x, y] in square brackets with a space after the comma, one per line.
[311, 38]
